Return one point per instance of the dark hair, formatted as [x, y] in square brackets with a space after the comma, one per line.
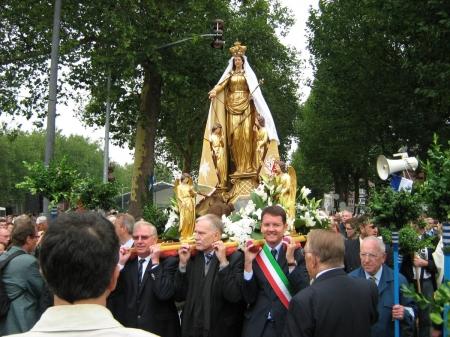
[363, 220]
[353, 222]
[78, 255]
[243, 61]
[23, 228]
[274, 210]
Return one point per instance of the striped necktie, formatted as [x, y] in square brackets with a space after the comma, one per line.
[140, 267]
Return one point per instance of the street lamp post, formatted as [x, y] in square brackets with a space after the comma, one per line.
[217, 35]
[106, 148]
[51, 114]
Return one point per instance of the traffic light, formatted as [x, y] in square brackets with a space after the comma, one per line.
[217, 30]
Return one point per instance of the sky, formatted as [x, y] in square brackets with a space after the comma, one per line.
[68, 123]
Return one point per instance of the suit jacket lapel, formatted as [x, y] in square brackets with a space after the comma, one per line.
[282, 259]
[133, 267]
[385, 279]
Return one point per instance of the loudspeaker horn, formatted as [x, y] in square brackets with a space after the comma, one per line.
[385, 166]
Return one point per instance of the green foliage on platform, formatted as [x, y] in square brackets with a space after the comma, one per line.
[436, 187]
[156, 216]
[392, 209]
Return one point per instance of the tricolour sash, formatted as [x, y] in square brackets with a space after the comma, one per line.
[273, 273]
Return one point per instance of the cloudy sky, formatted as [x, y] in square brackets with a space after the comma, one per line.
[69, 124]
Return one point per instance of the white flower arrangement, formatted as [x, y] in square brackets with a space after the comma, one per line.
[173, 220]
[244, 224]
[308, 211]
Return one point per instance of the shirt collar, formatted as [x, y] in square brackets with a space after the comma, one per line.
[324, 271]
[377, 275]
[147, 259]
[277, 247]
[76, 317]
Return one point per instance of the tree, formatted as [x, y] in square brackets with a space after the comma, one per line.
[81, 154]
[373, 62]
[59, 182]
[153, 90]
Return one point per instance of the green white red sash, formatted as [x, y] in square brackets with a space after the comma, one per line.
[273, 273]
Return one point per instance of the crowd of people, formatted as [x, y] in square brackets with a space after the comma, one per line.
[91, 275]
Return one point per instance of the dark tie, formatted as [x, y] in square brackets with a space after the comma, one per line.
[208, 258]
[373, 279]
[274, 253]
[141, 263]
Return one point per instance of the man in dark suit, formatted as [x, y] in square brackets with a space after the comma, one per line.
[335, 304]
[372, 258]
[210, 283]
[144, 296]
[266, 310]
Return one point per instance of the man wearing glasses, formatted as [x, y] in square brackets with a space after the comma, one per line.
[372, 268]
[22, 279]
[335, 305]
[144, 294]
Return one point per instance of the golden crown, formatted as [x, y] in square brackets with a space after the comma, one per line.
[238, 49]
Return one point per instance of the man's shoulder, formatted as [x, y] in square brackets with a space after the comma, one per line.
[306, 294]
[236, 256]
[357, 273]
[23, 259]
[111, 332]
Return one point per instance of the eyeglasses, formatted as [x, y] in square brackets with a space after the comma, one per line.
[370, 256]
[142, 237]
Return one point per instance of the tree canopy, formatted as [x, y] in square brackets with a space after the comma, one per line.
[155, 91]
[81, 154]
[382, 69]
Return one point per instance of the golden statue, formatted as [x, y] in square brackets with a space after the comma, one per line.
[218, 152]
[185, 195]
[287, 179]
[236, 100]
[262, 139]
[240, 113]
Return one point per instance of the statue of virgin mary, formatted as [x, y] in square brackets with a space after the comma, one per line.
[236, 101]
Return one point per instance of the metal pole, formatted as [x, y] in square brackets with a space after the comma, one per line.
[171, 44]
[122, 197]
[108, 111]
[395, 241]
[446, 243]
[53, 86]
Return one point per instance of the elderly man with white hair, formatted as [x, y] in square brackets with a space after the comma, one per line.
[373, 256]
